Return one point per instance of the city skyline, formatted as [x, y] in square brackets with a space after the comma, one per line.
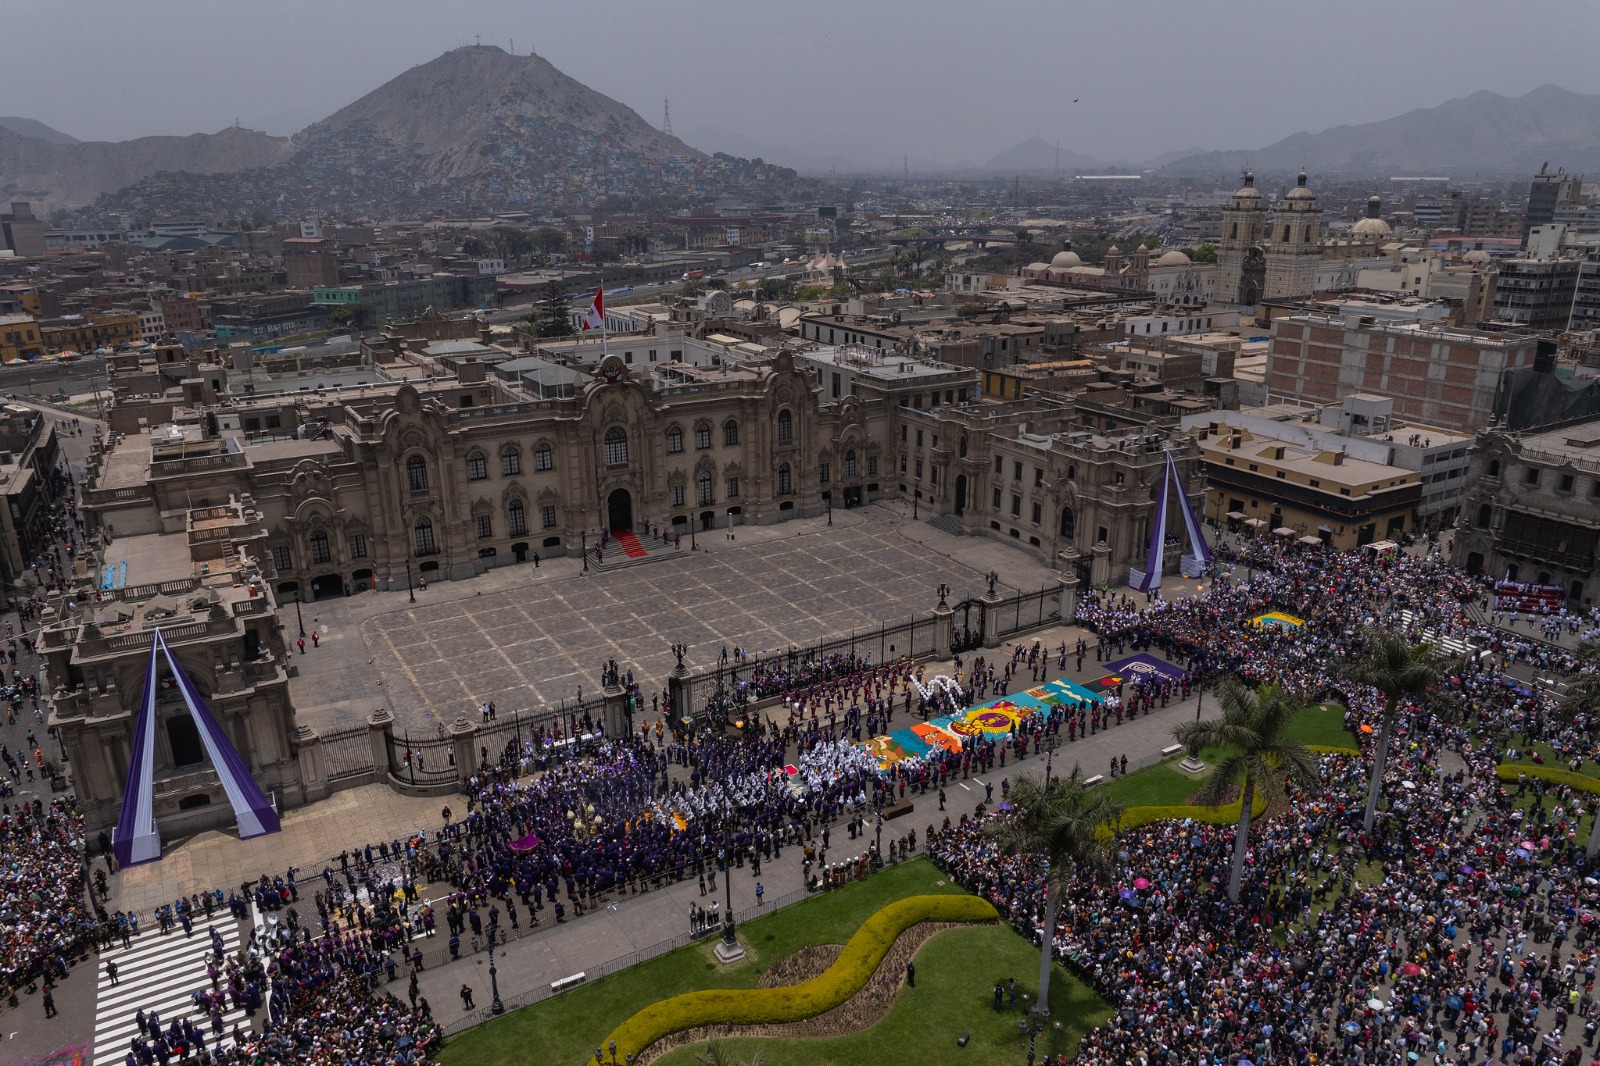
[875, 88]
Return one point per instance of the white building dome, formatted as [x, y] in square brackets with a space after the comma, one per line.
[1173, 258]
[1066, 259]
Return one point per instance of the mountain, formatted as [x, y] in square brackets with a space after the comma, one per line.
[475, 130]
[480, 109]
[1484, 133]
[27, 127]
[54, 174]
[1038, 156]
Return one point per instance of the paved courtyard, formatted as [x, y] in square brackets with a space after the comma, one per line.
[529, 638]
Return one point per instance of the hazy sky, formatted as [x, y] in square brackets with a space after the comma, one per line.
[937, 80]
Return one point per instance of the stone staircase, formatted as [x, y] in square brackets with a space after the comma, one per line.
[948, 523]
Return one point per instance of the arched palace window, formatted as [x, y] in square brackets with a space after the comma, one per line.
[417, 474]
[422, 535]
[616, 446]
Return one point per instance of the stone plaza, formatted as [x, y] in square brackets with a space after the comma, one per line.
[527, 638]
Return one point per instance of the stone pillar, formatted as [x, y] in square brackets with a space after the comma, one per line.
[380, 724]
[464, 738]
[1100, 564]
[615, 716]
[1068, 583]
[313, 764]
[991, 620]
[941, 632]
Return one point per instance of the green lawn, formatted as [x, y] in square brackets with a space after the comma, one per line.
[566, 1028]
[1324, 725]
[1164, 784]
[956, 972]
[1555, 759]
[1160, 785]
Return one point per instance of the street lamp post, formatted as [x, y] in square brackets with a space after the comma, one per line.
[583, 539]
[728, 937]
[828, 499]
[944, 591]
[495, 1006]
[297, 616]
[410, 589]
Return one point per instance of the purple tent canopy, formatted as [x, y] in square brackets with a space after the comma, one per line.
[527, 843]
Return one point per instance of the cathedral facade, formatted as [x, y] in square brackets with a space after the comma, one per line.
[1266, 254]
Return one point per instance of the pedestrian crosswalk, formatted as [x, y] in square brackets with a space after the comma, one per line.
[161, 973]
[1454, 646]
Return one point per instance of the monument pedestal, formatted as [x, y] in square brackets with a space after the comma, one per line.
[727, 953]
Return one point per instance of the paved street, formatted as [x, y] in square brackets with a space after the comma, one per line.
[622, 927]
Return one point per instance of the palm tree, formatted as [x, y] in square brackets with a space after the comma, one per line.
[1583, 693]
[1062, 820]
[1253, 733]
[1398, 669]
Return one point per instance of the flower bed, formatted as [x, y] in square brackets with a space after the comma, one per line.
[756, 1006]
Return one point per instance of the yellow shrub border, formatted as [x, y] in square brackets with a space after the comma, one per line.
[1508, 771]
[791, 1003]
[1227, 814]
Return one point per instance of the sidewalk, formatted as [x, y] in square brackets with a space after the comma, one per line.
[628, 930]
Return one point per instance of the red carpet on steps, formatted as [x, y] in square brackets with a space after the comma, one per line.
[630, 544]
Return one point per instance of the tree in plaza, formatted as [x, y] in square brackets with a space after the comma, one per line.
[555, 320]
[1253, 733]
[1062, 820]
[1583, 694]
[1399, 670]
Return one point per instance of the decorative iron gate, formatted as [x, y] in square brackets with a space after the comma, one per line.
[422, 760]
[967, 625]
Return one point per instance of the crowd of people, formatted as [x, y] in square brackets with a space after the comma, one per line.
[44, 919]
[1462, 929]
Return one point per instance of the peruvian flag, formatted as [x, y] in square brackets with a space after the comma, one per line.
[596, 317]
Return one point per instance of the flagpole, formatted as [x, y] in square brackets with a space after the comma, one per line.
[605, 345]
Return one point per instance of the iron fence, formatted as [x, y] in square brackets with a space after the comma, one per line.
[347, 753]
[529, 731]
[760, 675]
[1027, 610]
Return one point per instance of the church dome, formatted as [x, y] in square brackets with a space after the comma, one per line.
[1248, 191]
[1173, 258]
[1300, 192]
[1066, 259]
[1038, 266]
[1477, 255]
[1113, 250]
[1372, 225]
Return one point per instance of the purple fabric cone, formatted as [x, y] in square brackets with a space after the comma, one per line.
[136, 839]
[250, 804]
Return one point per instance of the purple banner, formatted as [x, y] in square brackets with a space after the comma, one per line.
[136, 840]
[250, 805]
[1143, 665]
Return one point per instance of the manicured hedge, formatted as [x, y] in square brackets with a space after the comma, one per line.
[1227, 814]
[1508, 771]
[1332, 749]
[792, 1003]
